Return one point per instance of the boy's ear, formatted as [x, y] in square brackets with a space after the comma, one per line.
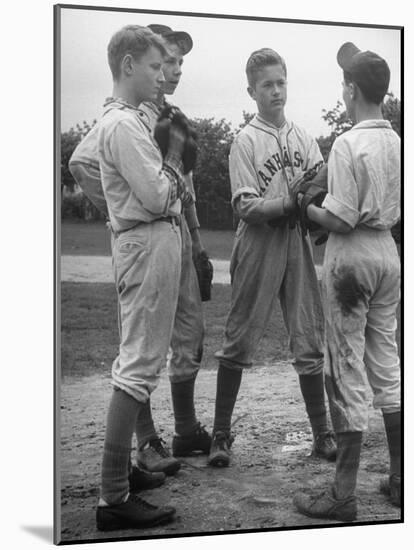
[251, 92]
[126, 64]
[352, 90]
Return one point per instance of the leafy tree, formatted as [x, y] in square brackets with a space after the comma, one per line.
[211, 173]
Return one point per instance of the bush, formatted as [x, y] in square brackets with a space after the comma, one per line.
[77, 205]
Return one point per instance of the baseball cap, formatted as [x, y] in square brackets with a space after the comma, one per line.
[367, 69]
[183, 39]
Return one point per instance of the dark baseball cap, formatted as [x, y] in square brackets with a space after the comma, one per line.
[181, 38]
[367, 69]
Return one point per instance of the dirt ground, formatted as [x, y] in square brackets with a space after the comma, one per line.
[270, 460]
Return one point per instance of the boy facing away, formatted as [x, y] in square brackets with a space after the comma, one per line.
[270, 261]
[361, 282]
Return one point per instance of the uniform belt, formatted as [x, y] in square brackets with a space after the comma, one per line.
[174, 220]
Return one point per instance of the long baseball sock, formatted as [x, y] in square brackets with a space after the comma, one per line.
[313, 391]
[228, 385]
[120, 424]
[144, 426]
[347, 463]
[392, 422]
[182, 394]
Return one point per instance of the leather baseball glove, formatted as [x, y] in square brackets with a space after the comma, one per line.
[311, 189]
[172, 115]
[204, 270]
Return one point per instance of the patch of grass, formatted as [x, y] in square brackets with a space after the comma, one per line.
[90, 329]
[93, 239]
[89, 332]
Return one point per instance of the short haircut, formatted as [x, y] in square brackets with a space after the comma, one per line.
[134, 40]
[260, 59]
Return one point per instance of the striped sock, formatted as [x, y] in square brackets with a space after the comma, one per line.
[121, 419]
[228, 385]
[313, 392]
[144, 427]
[392, 422]
[182, 394]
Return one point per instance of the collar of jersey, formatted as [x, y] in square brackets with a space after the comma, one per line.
[285, 125]
[117, 102]
[379, 123]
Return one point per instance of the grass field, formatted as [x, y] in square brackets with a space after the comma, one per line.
[90, 333]
[92, 239]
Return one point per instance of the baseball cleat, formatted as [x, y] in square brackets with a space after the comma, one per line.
[391, 487]
[140, 480]
[326, 505]
[324, 446]
[197, 441]
[155, 457]
[219, 456]
[134, 513]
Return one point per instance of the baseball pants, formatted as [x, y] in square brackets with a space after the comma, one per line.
[361, 287]
[147, 267]
[188, 333]
[269, 263]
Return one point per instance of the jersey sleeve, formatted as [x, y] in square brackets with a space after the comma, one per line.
[342, 199]
[140, 164]
[243, 177]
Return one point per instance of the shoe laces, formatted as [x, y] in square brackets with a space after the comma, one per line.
[141, 502]
[158, 446]
[221, 440]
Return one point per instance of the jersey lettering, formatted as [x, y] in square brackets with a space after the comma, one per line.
[265, 179]
[270, 166]
[298, 159]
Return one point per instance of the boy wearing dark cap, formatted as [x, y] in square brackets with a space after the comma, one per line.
[187, 338]
[361, 282]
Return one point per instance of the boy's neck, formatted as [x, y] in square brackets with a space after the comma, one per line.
[368, 111]
[277, 120]
[123, 92]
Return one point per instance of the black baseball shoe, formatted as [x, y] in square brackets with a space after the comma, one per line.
[324, 446]
[326, 505]
[391, 487]
[141, 480]
[155, 457]
[219, 456]
[197, 441]
[134, 513]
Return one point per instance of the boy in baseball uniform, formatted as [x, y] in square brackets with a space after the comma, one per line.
[187, 338]
[188, 334]
[270, 261]
[361, 282]
[142, 194]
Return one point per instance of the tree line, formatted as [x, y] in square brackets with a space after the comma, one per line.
[211, 173]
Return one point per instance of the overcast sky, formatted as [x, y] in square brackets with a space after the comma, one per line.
[214, 82]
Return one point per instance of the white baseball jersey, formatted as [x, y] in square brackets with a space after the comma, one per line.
[264, 158]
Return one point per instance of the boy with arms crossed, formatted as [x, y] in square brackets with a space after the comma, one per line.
[361, 282]
[270, 261]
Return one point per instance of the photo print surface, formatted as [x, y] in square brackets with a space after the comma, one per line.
[228, 229]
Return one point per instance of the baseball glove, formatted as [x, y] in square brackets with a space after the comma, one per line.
[172, 115]
[204, 270]
[311, 189]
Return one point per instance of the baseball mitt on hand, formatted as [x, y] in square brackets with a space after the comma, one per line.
[311, 189]
[204, 270]
[172, 115]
